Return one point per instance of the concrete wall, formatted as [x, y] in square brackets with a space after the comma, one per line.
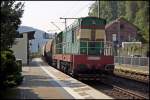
[20, 48]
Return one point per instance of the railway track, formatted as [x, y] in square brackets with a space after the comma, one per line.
[129, 85]
[121, 89]
[120, 92]
[115, 91]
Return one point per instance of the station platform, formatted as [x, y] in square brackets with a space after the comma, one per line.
[45, 82]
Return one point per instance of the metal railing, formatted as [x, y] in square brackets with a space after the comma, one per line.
[102, 47]
[134, 61]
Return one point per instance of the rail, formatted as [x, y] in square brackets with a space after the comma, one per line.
[128, 93]
[123, 92]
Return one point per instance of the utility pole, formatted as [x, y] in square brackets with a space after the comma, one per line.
[118, 32]
[119, 39]
[66, 21]
[98, 8]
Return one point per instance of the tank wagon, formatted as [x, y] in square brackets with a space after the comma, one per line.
[81, 50]
[46, 51]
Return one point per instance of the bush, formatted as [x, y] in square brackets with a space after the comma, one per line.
[10, 73]
[18, 79]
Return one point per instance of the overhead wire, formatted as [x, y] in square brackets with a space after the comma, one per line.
[81, 9]
[78, 11]
[71, 10]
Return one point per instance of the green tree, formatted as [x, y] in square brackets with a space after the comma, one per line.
[121, 8]
[11, 12]
[93, 9]
[108, 10]
[105, 11]
[131, 9]
[114, 9]
[10, 73]
[142, 20]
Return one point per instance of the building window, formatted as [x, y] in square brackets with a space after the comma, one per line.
[121, 26]
[114, 37]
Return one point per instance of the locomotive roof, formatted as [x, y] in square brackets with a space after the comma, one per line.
[78, 21]
[88, 17]
[120, 19]
[91, 17]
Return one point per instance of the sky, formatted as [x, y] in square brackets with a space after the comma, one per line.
[40, 14]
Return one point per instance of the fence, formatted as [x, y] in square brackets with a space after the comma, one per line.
[135, 61]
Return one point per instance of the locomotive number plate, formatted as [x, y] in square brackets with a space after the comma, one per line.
[93, 58]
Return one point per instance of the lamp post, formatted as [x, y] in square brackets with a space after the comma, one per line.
[118, 40]
[98, 8]
[66, 21]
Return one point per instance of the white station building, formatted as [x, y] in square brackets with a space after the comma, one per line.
[21, 46]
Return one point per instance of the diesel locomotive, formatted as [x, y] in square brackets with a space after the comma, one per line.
[81, 50]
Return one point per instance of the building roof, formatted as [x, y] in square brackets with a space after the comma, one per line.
[120, 19]
[30, 34]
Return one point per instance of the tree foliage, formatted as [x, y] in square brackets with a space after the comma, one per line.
[10, 73]
[11, 12]
[137, 12]
[10, 70]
